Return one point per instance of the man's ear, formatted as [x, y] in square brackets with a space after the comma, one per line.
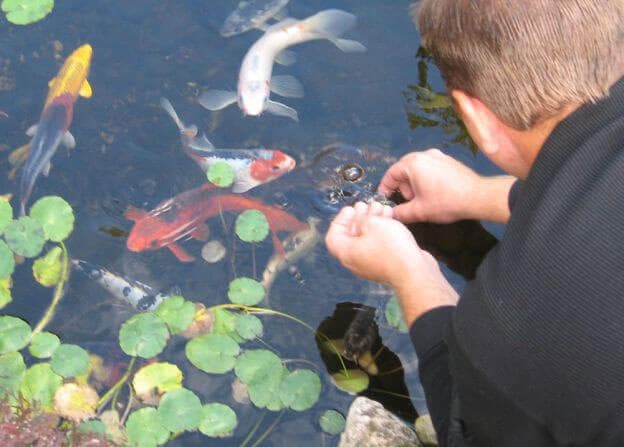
[486, 129]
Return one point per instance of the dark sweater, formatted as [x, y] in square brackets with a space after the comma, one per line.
[533, 355]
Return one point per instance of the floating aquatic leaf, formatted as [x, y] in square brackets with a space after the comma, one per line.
[144, 428]
[92, 426]
[248, 326]
[12, 369]
[213, 353]
[202, 323]
[25, 236]
[180, 410]
[75, 402]
[47, 269]
[7, 261]
[114, 430]
[5, 291]
[14, 334]
[177, 313]
[394, 315]
[264, 389]
[144, 335]
[300, 389]
[156, 378]
[252, 226]
[255, 362]
[352, 381]
[221, 174]
[245, 291]
[217, 420]
[6, 214]
[70, 360]
[213, 251]
[44, 344]
[55, 216]
[225, 324]
[39, 385]
[25, 12]
[332, 422]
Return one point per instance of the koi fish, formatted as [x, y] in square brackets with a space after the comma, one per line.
[252, 167]
[255, 82]
[252, 14]
[186, 214]
[52, 129]
[140, 296]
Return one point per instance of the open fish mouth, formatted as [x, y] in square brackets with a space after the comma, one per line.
[331, 200]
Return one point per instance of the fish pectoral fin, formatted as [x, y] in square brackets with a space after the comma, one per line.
[68, 140]
[348, 45]
[85, 89]
[46, 169]
[287, 86]
[32, 130]
[18, 156]
[201, 233]
[51, 82]
[286, 57]
[277, 108]
[134, 214]
[217, 99]
[243, 185]
[180, 253]
[201, 145]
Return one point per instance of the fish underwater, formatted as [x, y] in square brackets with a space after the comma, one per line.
[252, 167]
[56, 117]
[255, 80]
[252, 14]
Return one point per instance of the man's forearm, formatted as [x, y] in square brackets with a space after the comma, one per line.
[490, 200]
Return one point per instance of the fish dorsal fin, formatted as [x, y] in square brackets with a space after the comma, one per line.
[288, 21]
[85, 89]
[134, 214]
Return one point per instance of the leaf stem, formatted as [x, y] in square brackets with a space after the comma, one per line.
[58, 292]
[115, 388]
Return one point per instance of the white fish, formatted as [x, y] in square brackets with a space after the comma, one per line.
[255, 80]
[252, 14]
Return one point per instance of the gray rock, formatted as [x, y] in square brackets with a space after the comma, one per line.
[425, 431]
[370, 424]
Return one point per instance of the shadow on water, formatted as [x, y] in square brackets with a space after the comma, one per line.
[128, 153]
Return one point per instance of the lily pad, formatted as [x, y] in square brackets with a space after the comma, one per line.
[12, 369]
[75, 402]
[70, 360]
[264, 389]
[5, 291]
[43, 345]
[177, 313]
[25, 12]
[15, 333]
[352, 381]
[217, 420]
[221, 174]
[6, 214]
[180, 410]
[92, 426]
[47, 269]
[144, 428]
[225, 324]
[245, 291]
[55, 216]
[162, 377]
[255, 362]
[300, 389]
[144, 335]
[39, 385]
[25, 236]
[212, 353]
[252, 226]
[248, 326]
[332, 422]
[394, 315]
[213, 251]
[7, 261]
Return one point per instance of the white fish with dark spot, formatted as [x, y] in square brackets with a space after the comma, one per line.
[252, 14]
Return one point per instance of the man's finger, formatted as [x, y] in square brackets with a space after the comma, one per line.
[339, 231]
[408, 212]
[396, 178]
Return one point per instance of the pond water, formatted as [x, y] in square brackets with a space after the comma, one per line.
[128, 153]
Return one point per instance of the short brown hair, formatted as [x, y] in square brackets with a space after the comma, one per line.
[525, 59]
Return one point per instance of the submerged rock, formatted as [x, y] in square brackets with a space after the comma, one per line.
[370, 424]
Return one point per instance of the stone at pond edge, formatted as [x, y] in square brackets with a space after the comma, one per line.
[425, 431]
[370, 424]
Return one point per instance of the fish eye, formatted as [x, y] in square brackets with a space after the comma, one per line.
[275, 168]
[352, 172]
[154, 244]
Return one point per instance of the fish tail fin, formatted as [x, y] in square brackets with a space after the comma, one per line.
[331, 22]
[348, 45]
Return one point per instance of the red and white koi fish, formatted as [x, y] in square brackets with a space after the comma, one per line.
[186, 214]
[252, 167]
[255, 80]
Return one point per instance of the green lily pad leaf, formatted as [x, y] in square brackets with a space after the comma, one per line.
[25, 236]
[212, 353]
[394, 315]
[92, 426]
[7, 261]
[180, 410]
[162, 377]
[55, 216]
[252, 226]
[5, 291]
[15, 333]
[12, 369]
[144, 428]
[44, 344]
[352, 381]
[39, 385]
[70, 360]
[332, 422]
[177, 313]
[217, 420]
[225, 324]
[245, 291]
[47, 269]
[144, 335]
[248, 326]
[264, 389]
[255, 362]
[300, 389]
[221, 174]
[25, 12]
[6, 214]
